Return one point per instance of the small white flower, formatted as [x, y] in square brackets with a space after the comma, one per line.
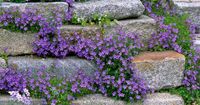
[24, 98]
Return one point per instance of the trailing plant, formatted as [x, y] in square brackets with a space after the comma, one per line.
[176, 33]
[15, 20]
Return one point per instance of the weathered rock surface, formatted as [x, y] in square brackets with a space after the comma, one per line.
[144, 26]
[2, 63]
[151, 99]
[163, 99]
[21, 43]
[114, 8]
[66, 67]
[46, 9]
[190, 7]
[6, 100]
[15, 43]
[160, 69]
[83, 30]
[97, 99]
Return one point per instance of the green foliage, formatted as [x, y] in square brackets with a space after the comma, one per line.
[95, 20]
[60, 91]
[4, 56]
[101, 21]
[191, 97]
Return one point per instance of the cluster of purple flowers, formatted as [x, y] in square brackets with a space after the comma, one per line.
[27, 20]
[11, 80]
[166, 38]
[190, 80]
[112, 54]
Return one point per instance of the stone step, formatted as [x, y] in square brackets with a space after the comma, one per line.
[21, 43]
[158, 69]
[67, 67]
[190, 7]
[98, 99]
[161, 69]
[151, 99]
[116, 9]
[6, 100]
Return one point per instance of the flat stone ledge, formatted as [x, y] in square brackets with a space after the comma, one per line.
[163, 99]
[84, 30]
[21, 43]
[97, 99]
[144, 26]
[6, 100]
[116, 9]
[151, 99]
[16, 43]
[65, 67]
[46, 9]
[160, 69]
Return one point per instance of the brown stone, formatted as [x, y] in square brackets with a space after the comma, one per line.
[149, 56]
[160, 69]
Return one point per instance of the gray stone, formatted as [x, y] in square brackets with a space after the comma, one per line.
[6, 100]
[65, 67]
[15, 43]
[144, 26]
[160, 69]
[97, 99]
[151, 99]
[163, 99]
[113, 8]
[2, 63]
[46, 9]
[190, 7]
[18, 43]
[83, 30]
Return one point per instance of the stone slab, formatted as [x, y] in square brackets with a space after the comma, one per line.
[160, 69]
[15, 43]
[65, 67]
[83, 30]
[46, 9]
[151, 99]
[97, 99]
[144, 26]
[163, 99]
[6, 100]
[21, 43]
[116, 9]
